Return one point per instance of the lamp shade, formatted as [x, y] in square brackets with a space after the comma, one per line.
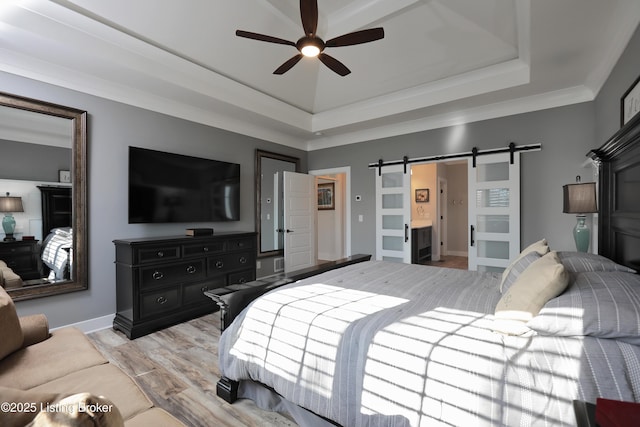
[11, 204]
[579, 198]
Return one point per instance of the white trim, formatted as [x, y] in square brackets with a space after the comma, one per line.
[91, 325]
[489, 79]
[559, 98]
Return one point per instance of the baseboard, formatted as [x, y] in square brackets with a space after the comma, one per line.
[92, 325]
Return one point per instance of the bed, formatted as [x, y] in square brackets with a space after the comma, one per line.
[57, 253]
[385, 344]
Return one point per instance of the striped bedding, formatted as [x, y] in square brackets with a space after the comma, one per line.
[385, 344]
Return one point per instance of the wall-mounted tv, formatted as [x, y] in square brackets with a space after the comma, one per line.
[166, 187]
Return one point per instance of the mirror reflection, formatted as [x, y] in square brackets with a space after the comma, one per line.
[269, 209]
[41, 187]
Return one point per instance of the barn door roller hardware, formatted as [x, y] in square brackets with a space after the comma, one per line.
[474, 153]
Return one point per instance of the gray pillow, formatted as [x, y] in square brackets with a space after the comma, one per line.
[598, 304]
[541, 246]
[580, 262]
[516, 269]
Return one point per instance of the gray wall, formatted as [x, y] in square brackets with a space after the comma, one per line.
[113, 127]
[607, 103]
[32, 162]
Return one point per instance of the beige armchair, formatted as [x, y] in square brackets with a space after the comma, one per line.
[8, 279]
[47, 376]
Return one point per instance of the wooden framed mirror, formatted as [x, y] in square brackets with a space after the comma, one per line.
[28, 129]
[269, 166]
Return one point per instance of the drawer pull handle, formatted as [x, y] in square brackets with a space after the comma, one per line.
[204, 288]
[243, 260]
[206, 249]
[157, 275]
[160, 254]
[219, 264]
[242, 280]
[191, 269]
[161, 300]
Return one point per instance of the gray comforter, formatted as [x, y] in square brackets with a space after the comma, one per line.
[385, 344]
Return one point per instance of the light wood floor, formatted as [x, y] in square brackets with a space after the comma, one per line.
[178, 369]
[451, 261]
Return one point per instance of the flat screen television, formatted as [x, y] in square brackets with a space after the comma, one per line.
[166, 187]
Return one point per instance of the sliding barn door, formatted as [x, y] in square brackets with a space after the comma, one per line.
[494, 211]
[393, 214]
[300, 201]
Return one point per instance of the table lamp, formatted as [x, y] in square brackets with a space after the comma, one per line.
[8, 205]
[580, 199]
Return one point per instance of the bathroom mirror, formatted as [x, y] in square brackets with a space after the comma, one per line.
[269, 168]
[28, 129]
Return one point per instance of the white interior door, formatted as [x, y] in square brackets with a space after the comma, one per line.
[393, 214]
[494, 211]
[300, 200]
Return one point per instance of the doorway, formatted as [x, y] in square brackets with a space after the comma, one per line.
[334, 222]
[445, 211]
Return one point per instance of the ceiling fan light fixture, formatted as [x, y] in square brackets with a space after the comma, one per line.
[310, 46]
[313, 46]
[310, 51]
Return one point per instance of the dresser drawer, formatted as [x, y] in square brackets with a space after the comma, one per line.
[159, 301]
[239, 244]
[14, 249]
[18, 262]
[232, 261]
[158, 253]
[166, 274]
[194, 293]
[204, 248]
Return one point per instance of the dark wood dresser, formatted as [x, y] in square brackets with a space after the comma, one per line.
[161, 281]
[23, 257]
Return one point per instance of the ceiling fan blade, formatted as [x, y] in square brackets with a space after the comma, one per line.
[335, 65]
[263, 38]
[288, 65]
[309, 15]
[357, 37]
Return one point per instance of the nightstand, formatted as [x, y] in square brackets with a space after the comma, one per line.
[23, 257]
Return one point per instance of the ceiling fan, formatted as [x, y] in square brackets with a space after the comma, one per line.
[313, 46]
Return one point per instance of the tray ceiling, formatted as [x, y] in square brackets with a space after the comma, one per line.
[442, 62]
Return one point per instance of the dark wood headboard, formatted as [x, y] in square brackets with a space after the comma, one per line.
[619, 188]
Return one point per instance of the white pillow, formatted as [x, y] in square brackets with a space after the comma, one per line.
[544, 279]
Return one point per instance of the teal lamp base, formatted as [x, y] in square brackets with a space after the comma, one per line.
[9, 225]
[581, 234]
